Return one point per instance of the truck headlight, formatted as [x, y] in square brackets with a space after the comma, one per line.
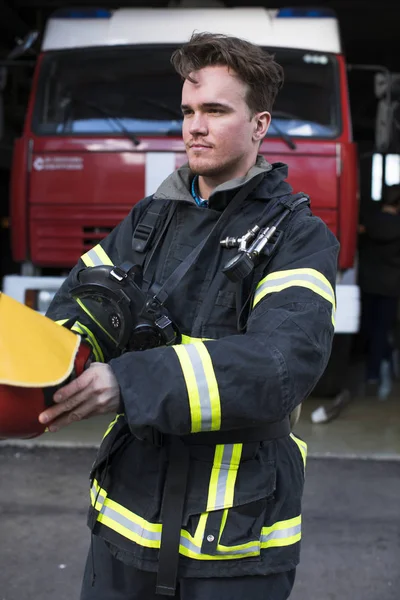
[39, 300]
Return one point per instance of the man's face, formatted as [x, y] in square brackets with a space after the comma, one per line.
[220, 135]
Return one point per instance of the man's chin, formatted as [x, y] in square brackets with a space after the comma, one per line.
[205, 169]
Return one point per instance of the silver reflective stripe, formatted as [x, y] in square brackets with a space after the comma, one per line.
[247, 550]
[189, 545]
[94, 258]
[224, 470]
[299, 277]
[154, 536]
[98, 497]
[202, 386]
[281, 533]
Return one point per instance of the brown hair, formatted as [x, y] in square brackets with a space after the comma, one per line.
[253, 65]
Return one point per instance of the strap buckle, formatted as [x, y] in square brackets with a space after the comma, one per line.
[142, 237]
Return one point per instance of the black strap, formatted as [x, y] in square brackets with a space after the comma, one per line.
[150, 262]
[163, 292]
[171, 515]
[146, 229]
[175, 489]
[263, 433]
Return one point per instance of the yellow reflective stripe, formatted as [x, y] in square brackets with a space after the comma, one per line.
[186, 339]
[111, 425]
[147, 534]
[96, 257]
[215, 470]
[308, 278]
[255, 545]
[83, 307]
[97, 351]
[282, 533]
[302, 447]
[313, 273]
[82, 329]
[87, 260]
[201, 385]
[223, 476]
[232, 474]
[191, 386]
[212, 386]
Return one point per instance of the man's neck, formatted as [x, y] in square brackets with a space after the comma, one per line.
[206, 185]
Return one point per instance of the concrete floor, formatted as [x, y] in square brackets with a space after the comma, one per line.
[365, 428]
[350, 545]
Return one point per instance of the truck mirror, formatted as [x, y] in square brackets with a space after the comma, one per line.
[383, 126]
[387, 90]
[23, 45]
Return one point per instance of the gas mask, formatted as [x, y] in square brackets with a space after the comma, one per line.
[131, 319]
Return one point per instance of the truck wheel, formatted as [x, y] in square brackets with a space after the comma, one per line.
[335, 376]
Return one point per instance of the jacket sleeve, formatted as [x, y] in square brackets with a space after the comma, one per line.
[111, 251]
[243, 380]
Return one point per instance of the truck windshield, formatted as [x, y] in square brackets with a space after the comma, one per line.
[116, 90]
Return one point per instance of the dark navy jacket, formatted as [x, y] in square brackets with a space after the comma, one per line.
[242, 511]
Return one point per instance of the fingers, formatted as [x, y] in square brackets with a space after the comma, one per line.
[82, 411]
[69, 397]
[94, 392]
[77, 385]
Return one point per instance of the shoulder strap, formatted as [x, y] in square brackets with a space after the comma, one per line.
[146, 228]
[147, 237]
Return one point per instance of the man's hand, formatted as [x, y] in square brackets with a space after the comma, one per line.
[95, 392]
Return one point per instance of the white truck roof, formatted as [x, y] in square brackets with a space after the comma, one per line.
[315, 30]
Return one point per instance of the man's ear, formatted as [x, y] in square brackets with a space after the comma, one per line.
[262, 121]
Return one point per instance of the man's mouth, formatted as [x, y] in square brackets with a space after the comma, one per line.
[199, 146]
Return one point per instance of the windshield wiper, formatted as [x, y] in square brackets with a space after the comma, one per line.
[284, 136]
[103, 111]
[168, 109]
[282, 114]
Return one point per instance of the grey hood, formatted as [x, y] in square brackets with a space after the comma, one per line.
[177, 185]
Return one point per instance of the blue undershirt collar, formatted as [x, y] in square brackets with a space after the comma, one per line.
[199, 201]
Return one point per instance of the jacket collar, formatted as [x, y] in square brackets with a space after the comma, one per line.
[177, 186]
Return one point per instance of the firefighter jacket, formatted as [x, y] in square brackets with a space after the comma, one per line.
[242, 509]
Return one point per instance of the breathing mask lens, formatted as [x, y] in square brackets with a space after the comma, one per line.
[107, 313]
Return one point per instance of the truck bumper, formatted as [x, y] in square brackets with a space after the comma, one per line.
[16, 286]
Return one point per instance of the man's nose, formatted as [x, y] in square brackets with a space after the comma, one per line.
[198, 124]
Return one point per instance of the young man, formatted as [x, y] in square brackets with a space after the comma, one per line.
[196, 490]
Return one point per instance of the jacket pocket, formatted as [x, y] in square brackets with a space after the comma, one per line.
[239, 498]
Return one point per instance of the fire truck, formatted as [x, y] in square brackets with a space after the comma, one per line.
[103, 130]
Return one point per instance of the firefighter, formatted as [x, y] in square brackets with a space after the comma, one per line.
[196, 489]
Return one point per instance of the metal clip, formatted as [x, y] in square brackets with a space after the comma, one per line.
[241, 242]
